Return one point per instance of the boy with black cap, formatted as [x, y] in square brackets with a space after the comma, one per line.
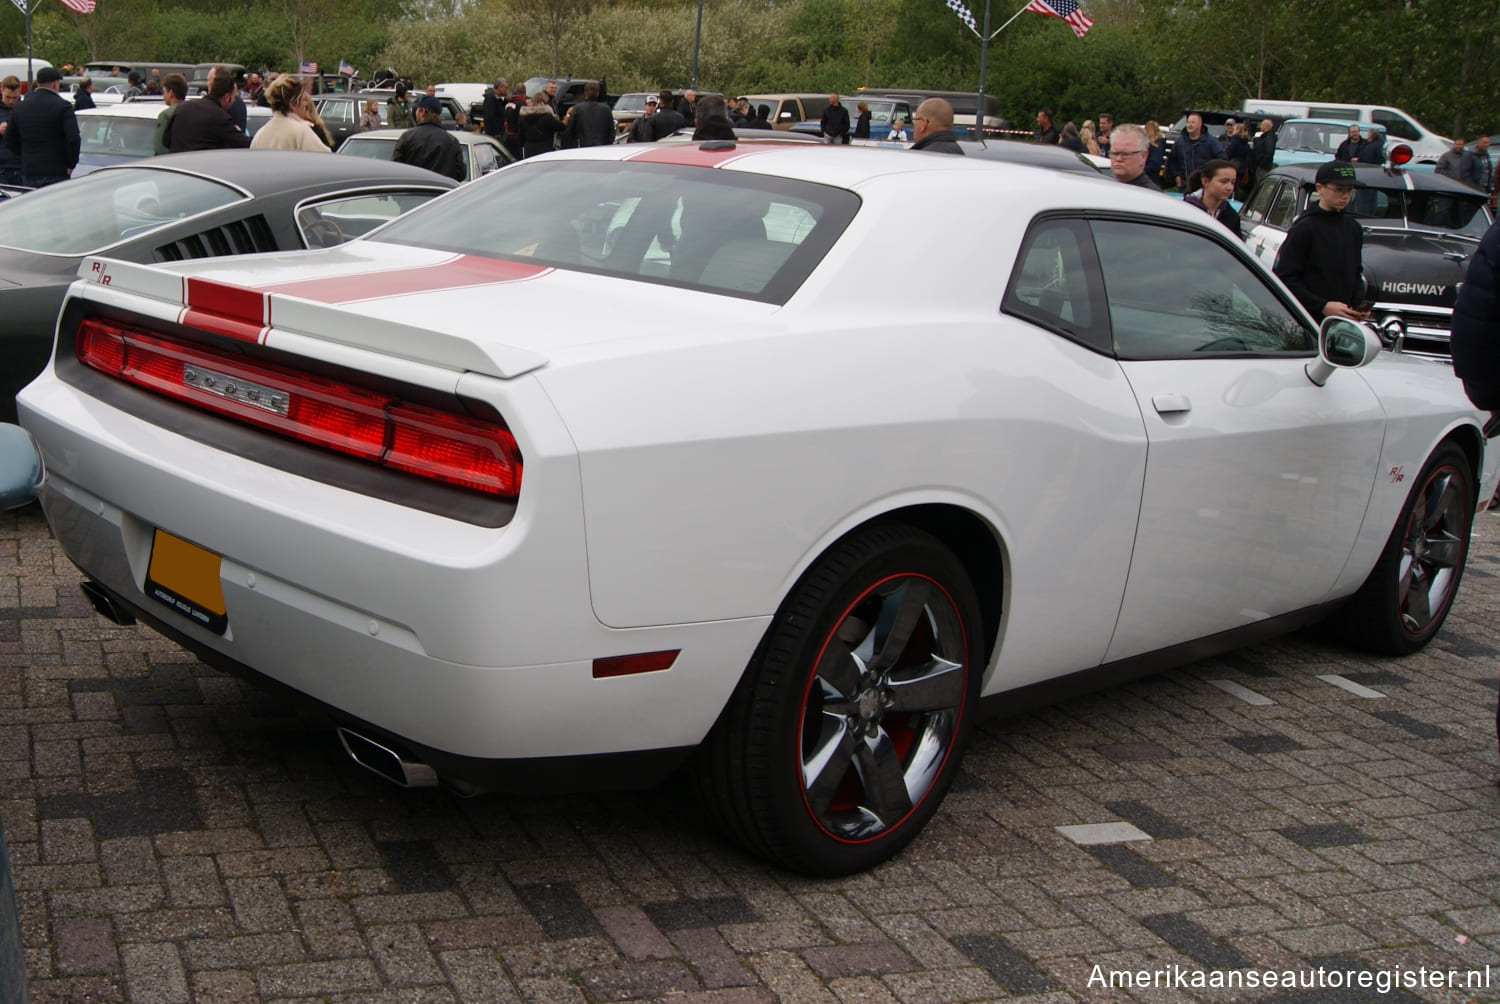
[1320, 260]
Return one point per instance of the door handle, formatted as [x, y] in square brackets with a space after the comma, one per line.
[1171, 404]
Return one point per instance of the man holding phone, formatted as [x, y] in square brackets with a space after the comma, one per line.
[1321, 259]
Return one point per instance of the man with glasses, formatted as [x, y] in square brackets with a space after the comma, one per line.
[10, 163]
[1127, 156]
[932, 125]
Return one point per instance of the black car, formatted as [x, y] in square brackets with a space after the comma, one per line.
[340, 110]
[1420, 230]
[569, 90]
[184, 205]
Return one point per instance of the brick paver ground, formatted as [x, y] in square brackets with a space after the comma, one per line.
[177, 836]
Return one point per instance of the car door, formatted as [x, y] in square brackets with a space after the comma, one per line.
[1256, 479]
[1258, 233]
[1270, 234]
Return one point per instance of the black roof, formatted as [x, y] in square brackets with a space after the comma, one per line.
[1376, 176]
[1037, 155]
[266, 172]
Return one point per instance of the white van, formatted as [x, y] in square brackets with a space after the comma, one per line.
[17, 66]
[1400, 127]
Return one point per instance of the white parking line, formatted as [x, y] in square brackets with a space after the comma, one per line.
[1357, 689]
[1118, 832]
[1243, 693]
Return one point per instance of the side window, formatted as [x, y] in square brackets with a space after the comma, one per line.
[1174, 294]
[1283, 208]
[334, 221]
[485, 159]
[1260, 202]
[1050, 284]
[1395, 124]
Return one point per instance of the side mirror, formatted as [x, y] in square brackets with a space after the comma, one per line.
[1342, 344]
[21, 472]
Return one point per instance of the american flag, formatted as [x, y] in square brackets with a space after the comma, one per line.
[964, 14]
[309, 67]
[345, 69]
[1068, 10]
[81, 6]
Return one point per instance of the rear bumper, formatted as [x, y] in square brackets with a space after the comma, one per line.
[471, 646]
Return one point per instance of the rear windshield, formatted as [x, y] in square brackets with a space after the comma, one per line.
[89, 214]
[116, 135]
[697, 227]
[1446, 212]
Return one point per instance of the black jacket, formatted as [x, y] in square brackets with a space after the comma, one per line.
[1263, 152]
[835, 122]
[539, 127]
[1048, 134]
[429, 145]
[590, 123]
[1349, 150]
[200, 124]
[494, 114]
[1476, 325]
[82, 100]
[862, 126]
[44, 131]
[1373, 152]
[941, 141]
[665, 122]
[1320, 259]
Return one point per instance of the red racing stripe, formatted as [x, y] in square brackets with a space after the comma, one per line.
[464, 270]
[691, 155]
[237, 303]
[218, 324]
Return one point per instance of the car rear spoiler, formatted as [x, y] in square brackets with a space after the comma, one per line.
[249, 314]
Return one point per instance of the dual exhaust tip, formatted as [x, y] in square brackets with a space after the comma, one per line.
[394, 766]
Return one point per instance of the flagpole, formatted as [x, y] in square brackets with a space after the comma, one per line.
[1012, 18]
[984, 56]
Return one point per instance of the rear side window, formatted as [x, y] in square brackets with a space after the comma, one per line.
[1054, 283]
[696, 227]
[1260, 202]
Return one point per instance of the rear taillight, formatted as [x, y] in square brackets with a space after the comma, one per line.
[444, 446]
[1401, 155]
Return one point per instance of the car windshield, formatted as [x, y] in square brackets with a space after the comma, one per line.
[631, 103]
[1446, 212]
[91, 213]
[116, 135]
[718, 231]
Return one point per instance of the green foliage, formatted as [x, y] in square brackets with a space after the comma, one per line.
[1143, 58]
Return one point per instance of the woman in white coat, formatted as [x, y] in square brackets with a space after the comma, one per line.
[290, 127]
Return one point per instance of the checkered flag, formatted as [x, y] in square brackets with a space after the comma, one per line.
[964, 14]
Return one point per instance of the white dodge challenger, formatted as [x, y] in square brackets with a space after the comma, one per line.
[791, 460]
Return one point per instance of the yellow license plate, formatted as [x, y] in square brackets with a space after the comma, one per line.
[185, 577]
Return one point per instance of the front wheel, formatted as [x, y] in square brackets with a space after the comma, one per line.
[849, 724]
[1404, 602]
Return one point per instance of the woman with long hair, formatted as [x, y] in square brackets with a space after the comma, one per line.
[292, 119]
[1156, 152]
[1089, 135]
[1218, 179]
[539, 126]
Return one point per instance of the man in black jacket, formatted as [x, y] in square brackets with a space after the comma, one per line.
[932, 125]
[1321, 259]
[427, 144]
[494, 109]
[1262, 150]
[1475, 336]
[43, 130]
[835, 123]
[83, 94]
[667, 119]
[204, 123]
[590, 122]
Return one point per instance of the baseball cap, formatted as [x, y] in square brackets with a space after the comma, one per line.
[1338, 172]
[429, 103]
[651, 99]
[48, 75]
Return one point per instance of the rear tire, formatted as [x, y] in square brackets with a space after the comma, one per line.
[848, 726]
[1404, 602]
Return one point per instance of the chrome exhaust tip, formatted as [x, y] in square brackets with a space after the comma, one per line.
[386, 762]
[105, 605]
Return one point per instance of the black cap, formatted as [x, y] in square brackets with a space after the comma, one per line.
[400, 89]
[48, 75]
[1338, 172]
